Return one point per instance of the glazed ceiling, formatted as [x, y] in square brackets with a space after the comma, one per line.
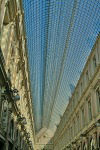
[60, 35]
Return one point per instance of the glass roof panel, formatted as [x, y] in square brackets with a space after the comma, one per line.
[60, 35]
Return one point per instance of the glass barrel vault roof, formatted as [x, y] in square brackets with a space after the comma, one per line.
[60, 35]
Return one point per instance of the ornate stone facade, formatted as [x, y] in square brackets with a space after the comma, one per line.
[16, 115]
[79, 128]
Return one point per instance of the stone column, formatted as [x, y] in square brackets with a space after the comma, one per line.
[86, 143]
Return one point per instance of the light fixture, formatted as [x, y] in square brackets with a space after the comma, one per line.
[15, 95]
[17, 98]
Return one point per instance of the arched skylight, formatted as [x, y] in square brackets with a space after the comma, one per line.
[60, 35]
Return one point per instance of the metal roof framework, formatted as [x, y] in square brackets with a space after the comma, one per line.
[60, 35]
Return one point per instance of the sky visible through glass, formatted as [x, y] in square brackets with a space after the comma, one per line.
[60, 35]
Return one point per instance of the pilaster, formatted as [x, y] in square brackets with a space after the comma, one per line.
[86, 111]
[93, 102]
